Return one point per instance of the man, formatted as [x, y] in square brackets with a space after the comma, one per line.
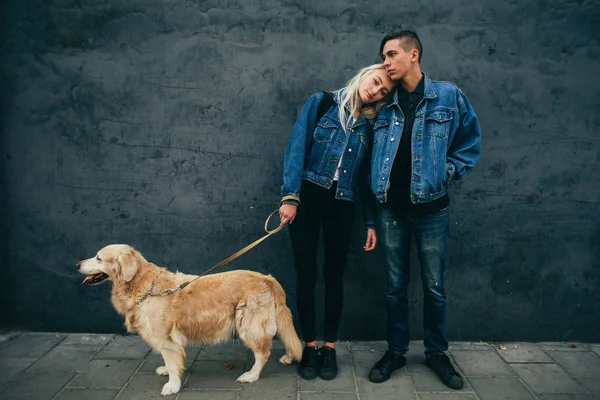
[425, 137]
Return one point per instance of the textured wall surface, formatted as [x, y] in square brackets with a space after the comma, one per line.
[163, 124]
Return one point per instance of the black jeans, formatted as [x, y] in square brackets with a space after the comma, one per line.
[319, 208]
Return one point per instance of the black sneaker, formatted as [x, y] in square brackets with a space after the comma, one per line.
[382, 371]
[309, 366]
[440, 363]
[329, 367]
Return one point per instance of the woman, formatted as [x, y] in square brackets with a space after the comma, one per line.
[322, 168]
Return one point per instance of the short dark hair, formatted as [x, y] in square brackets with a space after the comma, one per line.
[408, 40]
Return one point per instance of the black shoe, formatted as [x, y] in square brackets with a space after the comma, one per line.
[329, 367]
[440, 363]
[382, 371]
[309, 366]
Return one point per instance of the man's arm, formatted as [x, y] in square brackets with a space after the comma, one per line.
[465, 144]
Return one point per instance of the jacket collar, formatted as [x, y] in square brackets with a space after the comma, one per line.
[429, 91]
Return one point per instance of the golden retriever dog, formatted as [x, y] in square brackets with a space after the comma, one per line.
[208, 310]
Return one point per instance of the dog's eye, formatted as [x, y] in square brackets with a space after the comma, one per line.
[98, 258]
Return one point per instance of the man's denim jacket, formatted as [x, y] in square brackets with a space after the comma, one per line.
[314, 151]
[446, 140]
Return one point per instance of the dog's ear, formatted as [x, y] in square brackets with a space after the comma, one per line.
[129, 266]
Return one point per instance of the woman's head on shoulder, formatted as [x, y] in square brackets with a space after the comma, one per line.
[366, 92]
[374, 84]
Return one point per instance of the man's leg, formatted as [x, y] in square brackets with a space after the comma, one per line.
[394, 239]
[431, 236]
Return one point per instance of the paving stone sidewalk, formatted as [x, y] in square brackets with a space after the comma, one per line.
[63, 366]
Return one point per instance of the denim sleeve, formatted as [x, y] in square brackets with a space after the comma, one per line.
[367, 198]
[465, 144]
[293, 161]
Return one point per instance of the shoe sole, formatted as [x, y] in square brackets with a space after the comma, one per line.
[386, 378]
[455, 387]
[447, 384]
[307, 378]
[379, 381]
[327, 378]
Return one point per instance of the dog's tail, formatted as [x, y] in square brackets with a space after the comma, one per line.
[285, 326]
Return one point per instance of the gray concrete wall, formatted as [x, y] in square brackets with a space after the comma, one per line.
[163, 125]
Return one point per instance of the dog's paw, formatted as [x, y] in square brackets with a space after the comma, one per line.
[162, 371]
[285, 359]
[247, 377]
[170, 388]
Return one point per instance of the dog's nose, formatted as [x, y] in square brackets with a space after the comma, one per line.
[78, 264]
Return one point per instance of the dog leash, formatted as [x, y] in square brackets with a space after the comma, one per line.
[225, 261]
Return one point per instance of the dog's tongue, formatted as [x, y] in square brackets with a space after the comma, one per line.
[89, 278]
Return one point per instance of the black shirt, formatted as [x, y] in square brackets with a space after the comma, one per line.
[398, 198]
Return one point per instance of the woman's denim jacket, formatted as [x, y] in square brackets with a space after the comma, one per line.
[314, 151]
[446, 141]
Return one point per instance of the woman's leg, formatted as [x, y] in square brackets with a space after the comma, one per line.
[338, 219]
[304, 232]
[337, 222]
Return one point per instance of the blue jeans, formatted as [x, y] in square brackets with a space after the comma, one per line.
[430, 233]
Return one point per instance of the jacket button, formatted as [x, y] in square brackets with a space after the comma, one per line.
[349, 150]
[387, 159]
[352, 130]
[383, 178]
[342, 194]
[397, 123]
[345, 171]
[392, 139]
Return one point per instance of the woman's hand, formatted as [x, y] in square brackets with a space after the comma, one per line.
[371, 239]
[287, 213]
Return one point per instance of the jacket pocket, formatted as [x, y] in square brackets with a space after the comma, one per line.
[438, 123]
[325, 130]
[380, 129]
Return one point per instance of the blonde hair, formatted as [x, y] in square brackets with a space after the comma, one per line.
[351, 97]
